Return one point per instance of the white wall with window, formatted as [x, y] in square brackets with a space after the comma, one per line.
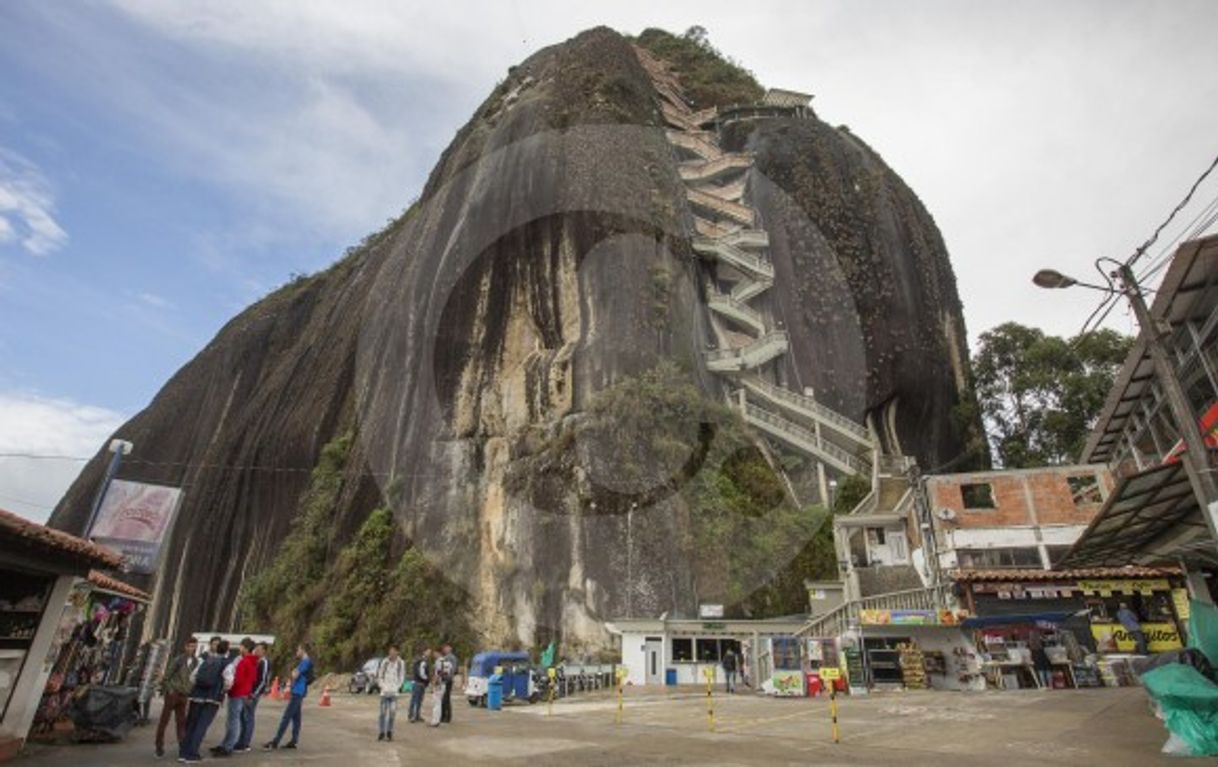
[1014, 547]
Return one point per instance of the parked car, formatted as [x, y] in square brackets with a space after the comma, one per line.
[364, 680]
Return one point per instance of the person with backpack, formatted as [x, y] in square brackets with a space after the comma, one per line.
[441, 677]
[205, 695]
[730, 664]
[390, 676]
[302, 677]
[239, 678]
[422, 675]
[262, 683]
[175, 686]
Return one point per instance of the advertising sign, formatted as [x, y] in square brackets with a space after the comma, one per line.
[133, 520]
[1127, 586]
[1112, 637]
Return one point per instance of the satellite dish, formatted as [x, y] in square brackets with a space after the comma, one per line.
[947, 515]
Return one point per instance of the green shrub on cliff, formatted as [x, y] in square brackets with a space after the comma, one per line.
[708, 77]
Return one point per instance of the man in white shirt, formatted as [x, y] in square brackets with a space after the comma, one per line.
[390, 676]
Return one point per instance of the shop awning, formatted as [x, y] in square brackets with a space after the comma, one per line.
[1150, 517]
[1018, 620]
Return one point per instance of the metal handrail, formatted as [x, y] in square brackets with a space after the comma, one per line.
[807, 435]
[728, 251]
[739, 351]
[735, 210]
[753, 316]
[810, 404]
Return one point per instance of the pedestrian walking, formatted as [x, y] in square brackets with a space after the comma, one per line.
[240, 676]
[450, 661]
[440, 673]
[302, 677]
[1129, 620]
[262, 683]
[730, 663]
[421, 676]
[205, 696]
[390, 676]
[175, 687]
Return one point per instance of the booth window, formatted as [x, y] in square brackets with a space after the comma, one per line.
[786, 653]
[1010, 557]
[682, 650]
[978, 495]
[708, 650]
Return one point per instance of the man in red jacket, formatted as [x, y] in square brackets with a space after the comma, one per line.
[244, 674]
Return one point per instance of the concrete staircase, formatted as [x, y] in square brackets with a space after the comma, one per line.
[727, 236]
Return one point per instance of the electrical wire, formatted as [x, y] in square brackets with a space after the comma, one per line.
[1189, 231]
[1142, 250]
[213, 466]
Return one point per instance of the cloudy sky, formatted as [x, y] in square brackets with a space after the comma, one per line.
[163, 164]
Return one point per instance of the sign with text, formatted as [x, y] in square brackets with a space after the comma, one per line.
[1130, 586]
[133, 520]
[1113, 637]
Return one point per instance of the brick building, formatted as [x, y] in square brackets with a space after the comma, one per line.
[1015, 518]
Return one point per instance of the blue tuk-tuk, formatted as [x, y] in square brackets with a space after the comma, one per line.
[518, 682]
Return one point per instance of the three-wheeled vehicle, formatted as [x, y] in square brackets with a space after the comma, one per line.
[518, 681]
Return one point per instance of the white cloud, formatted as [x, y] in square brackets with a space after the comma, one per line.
[155, 301]
[35, 425]
[27, 206]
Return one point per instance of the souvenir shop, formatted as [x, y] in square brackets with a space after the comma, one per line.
[93, 638]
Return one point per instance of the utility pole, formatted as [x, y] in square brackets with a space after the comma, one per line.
[1196, 459]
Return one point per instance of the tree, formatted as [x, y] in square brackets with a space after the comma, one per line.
[1040, 394]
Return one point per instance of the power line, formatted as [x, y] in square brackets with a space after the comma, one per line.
[1142, 250]
[216, 466]
[1189, 231]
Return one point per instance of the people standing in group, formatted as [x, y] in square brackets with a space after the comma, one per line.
[213, 645]
[175, 687]
[240, 676]
[302, 677]
[1129, 621]
[450, 662]
[262, 682]
[390, 676]
[421, 676]
[730, 664]
[205, 696]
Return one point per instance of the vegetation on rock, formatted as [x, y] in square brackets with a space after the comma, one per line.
[708, 77]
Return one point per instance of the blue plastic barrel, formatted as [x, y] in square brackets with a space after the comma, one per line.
[670, 677]
[494, 693]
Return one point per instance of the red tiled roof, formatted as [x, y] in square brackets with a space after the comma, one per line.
[1058, 575]
[47, 541]
[106, 583]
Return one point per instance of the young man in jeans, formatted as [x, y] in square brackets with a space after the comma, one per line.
[245, 673]
[300, 688]
[422, 675]
[176, 688]
[262, 682]
[205, 697]
[390, 676]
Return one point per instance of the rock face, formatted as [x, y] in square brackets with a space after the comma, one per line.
[547, 260]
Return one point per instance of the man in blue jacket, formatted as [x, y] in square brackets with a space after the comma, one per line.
[302, 675]
[205, 697]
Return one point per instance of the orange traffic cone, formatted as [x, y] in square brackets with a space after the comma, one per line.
[325, 697]
[275, 688]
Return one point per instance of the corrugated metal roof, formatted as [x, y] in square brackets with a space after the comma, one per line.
[49, 542]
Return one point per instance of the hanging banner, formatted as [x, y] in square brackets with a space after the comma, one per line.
[133, 520]
[1113, 637]
[1130, 586]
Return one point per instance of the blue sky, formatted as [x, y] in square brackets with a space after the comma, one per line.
[164, 164]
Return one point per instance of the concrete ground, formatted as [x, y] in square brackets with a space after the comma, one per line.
[1112, 727]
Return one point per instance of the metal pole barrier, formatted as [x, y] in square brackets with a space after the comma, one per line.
[833, 710]
[620, 678]
[550, 706]
[710, 697]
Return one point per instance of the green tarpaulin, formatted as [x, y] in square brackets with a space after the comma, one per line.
[1187, 700]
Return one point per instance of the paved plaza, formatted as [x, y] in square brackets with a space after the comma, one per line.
[1112, 727]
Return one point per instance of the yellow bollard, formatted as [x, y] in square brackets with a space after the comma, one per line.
[710, 697]
[553, 674]
[829, 675]
[621, 678]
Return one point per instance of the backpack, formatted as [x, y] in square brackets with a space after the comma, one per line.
[230, 674]
[310, 676]
[209, 675]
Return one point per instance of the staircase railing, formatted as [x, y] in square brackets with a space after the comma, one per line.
[816, 409]
[806, 439]
[838, 620]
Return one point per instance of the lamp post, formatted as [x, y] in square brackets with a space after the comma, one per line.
[119, 447]
[1196, 456]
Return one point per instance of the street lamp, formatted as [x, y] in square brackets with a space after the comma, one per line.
[1196, 458]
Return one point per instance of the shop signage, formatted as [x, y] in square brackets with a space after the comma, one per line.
[830, 673]
[714, 627]
[1112, 637]
[908, 618]
[1180, 598]
[1026, 590]
[133, 520]
[1130, 586]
